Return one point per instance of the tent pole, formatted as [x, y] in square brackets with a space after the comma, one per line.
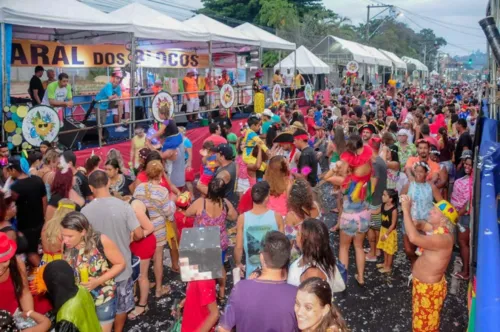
[4, 77]
[210, 68]
[295, 72]
[133, 70]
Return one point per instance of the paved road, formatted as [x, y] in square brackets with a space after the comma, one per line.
[383, 305]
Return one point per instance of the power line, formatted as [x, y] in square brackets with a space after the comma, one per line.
[438, 21]
[450, 28]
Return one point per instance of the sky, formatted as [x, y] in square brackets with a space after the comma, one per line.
[457, 19]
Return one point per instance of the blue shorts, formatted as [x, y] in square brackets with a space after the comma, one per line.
[106, 312]
[464, 221]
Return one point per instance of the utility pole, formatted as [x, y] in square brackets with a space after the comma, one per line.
[387, 7]
[425, 53]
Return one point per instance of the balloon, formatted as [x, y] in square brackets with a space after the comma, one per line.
[22, 111]
[10, 145]
[9, 126]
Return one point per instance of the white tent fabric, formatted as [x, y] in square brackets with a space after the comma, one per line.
[419, 65]
[267, 40]
[307, 62]
[397, 61]
[379, 56]
[146, 22]
[359, 54]
[219, 31]
[58, 14]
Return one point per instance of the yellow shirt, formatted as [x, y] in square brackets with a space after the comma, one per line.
[138, 144]
[298, 81]
[277, 79]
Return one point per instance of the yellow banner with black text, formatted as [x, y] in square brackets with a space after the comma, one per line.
[30, 53]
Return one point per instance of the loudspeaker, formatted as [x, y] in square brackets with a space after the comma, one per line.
[70, 140]
[492, 35]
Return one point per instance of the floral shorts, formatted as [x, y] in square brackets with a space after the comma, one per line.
[427, 303]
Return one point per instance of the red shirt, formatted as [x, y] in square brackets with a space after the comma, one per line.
[246, 202]
[143, 178]
[216, 139]
[310, 126]
[199, 294]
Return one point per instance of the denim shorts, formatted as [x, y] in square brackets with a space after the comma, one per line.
[124, 296]
[464, 221]
[106, 312]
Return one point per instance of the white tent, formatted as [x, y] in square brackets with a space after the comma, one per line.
[220, 32]
[146, 22]
[418, 65]
[267, 40]
[397, 61]
[57, 14]
[307, 63]
[380, 58]
[337, 50]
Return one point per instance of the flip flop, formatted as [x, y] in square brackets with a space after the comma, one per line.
[164, 290]
[133, 314]
[457, 275]
[382, 270]
[380, 265]
[359, 283]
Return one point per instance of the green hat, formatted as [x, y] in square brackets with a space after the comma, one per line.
[232, 139]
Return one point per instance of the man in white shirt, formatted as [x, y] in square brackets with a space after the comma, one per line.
[287, 80]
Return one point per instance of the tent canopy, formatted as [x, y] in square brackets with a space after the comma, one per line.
[397, 61]
[219, 31]
[419, 65]
[146, 22]
[58, 14]
[380, 58]
[307, 62]
[267, 40]
[337, 50]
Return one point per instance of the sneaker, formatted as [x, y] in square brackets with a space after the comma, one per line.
[120, 129]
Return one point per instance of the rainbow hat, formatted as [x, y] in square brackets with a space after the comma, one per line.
[448, 210]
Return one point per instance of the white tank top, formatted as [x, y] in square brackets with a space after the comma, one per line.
[295, 272]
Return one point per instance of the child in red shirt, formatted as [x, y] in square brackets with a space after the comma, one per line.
[181, 221]
[200, 306]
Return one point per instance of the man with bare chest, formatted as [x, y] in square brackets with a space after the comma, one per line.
[429, 283]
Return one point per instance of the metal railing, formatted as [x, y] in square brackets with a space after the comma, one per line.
[145, 101]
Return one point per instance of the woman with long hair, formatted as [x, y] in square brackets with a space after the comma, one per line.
[48, 170]
[314, 308]
[7, 212]
[390, 154]
[446, 148]
[96, 261]
[114, 154]
[214, 210]
[62, 188]
[278, 176]
[92, 164]
[354, 177]
[301, 206]
[161, 209]
[461, 199]
[51, 231]
[317, 259]
[119, 183]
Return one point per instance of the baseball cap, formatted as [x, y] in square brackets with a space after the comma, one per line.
[268, 112]
[226, 150]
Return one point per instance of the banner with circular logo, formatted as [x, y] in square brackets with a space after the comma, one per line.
[226, 96]
[163, 106]
[276, 92]
[352, 67]
[40, 124]
[308, 92]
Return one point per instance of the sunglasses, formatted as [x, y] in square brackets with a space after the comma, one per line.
[43, 125]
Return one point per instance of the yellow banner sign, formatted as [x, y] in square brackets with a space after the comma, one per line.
[29, 53]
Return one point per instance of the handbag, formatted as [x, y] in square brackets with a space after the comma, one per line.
[340, 278]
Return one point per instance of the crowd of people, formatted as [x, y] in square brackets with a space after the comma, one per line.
[76, 243]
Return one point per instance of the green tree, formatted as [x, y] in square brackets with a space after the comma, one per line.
[278, 14]
[244, 10]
